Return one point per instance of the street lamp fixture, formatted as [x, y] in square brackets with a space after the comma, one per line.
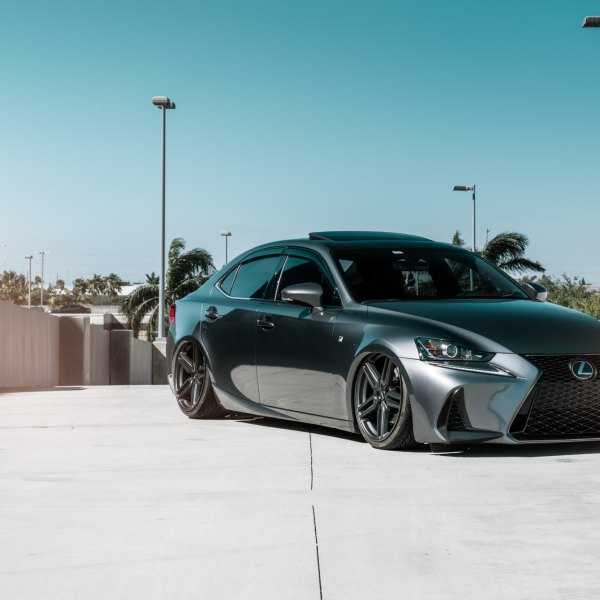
[226, 234]
[29, 258]
[591, 22]
[163, 103]
[468, 188]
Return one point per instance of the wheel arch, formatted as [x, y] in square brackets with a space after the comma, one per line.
[375, 347]
[197, 340]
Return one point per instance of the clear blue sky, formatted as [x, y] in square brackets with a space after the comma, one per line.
[294, 116]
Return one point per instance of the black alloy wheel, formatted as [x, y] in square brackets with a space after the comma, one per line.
[381, 404]
[191, 382]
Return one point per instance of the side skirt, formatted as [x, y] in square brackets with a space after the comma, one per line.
[233, 403]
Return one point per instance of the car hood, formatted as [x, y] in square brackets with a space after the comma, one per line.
[519, 326]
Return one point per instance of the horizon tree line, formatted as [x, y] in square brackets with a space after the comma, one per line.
[15, 288]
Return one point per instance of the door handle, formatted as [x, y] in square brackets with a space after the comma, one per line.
[265, 323]
[212, 314]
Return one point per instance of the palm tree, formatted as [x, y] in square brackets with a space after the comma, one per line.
[186, 272]
[113, 285]
[507, 251]
[97, 285]
[58, 293]
[457, 239]
[80, 289]
[13, 287]
[152, 278]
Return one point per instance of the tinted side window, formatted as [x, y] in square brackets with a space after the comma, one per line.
[302, 270]
[227, 281]
[253, 277]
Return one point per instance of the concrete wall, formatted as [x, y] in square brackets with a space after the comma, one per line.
[141, 362]
[99, 356]
[130, 359]
[74, 339]
[41, 350]
[159, 363]
[29, 347]
[84, 352]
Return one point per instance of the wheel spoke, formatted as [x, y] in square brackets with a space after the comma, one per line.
[185, 362]
[367, 407]
[386, 372]
[393, 399]
[184, 388]
[195, 394]
[391, 403]
[372, 375]
[383, 413]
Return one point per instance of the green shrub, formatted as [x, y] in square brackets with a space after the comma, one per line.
[571, 292]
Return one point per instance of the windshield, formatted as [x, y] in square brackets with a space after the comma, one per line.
[421, 274]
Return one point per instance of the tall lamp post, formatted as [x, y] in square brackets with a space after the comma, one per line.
[29, 258]
[226, 234]
[163, 103]
[42, 253]
[468, 188]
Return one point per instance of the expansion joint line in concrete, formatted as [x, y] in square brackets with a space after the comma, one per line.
[311, 459]
[312, 479]
[317, 549]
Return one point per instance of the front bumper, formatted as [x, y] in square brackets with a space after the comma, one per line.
[450, 406]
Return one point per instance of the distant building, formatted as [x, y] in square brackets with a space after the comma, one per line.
[127, 289]
[592, 287]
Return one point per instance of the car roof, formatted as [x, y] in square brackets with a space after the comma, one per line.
[359, 239]
[356, 236]
[346, 240]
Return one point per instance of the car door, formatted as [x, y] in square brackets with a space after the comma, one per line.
[294, 344]
[229, 322]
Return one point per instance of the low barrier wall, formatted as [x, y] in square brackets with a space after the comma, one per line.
[41, 350]
[84, 352]
[29, 347]
[130, 359]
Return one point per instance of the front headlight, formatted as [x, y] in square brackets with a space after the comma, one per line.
[453, 355]
[433, 349]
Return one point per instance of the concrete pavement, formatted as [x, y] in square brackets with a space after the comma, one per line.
[110, 492]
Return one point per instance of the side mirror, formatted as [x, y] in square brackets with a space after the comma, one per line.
[536, 291]
[304, 293]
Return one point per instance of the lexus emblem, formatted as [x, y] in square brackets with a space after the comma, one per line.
[583, 370]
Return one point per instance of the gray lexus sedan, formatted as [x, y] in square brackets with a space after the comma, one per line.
[396, 337]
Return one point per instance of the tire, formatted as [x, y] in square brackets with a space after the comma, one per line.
[191, 383]
[381, 404]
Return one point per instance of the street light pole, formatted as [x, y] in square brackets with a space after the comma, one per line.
[29, 258]
[42, 287]
[226, 234]
[469, 188]
[163, 103]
